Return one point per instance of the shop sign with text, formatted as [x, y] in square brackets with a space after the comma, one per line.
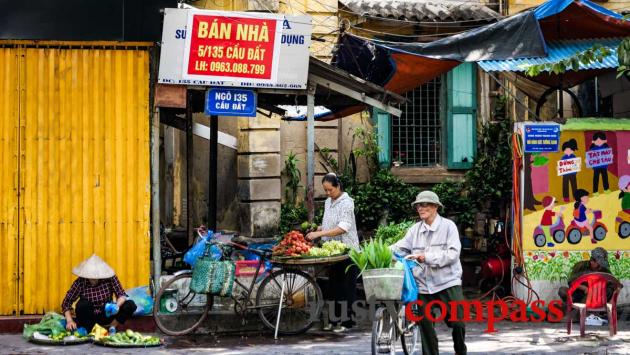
[219, 48]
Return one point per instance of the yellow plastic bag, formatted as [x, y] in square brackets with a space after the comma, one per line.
[98, 332]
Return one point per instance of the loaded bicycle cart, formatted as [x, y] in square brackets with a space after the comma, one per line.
[280, 288]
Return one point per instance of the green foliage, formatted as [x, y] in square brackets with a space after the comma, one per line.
[291, 215]
[623, 56]
[595, 54]
[489, 181]
[384, 194]
[294, 176]
[557, 265]
[330, 162]
[374, 255]
[456, 204]
[347, 175]
[393, 232]
[370, 148]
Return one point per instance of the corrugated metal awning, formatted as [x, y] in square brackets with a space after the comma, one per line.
[423, 10]
[557, 51]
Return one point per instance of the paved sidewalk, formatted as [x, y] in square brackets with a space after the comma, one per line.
[511, 338]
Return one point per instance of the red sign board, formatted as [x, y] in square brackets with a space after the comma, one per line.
[232, 47]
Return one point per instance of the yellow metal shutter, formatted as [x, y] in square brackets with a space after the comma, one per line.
[9, 113]
[85, 167]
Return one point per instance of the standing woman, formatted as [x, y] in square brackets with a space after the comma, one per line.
[339, 224]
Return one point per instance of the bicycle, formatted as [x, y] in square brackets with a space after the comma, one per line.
[387, 328]
[289, 292]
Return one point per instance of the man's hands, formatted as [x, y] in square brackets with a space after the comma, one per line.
[418, 257]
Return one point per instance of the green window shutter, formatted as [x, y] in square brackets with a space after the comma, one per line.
[461, 116]
[383, 123]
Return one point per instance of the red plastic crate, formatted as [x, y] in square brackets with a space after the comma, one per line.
[248, 268]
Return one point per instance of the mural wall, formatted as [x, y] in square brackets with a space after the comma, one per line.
[576, 198]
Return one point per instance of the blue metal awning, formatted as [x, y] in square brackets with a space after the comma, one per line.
[557, 51]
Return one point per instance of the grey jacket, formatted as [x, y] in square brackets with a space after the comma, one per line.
[441, 246]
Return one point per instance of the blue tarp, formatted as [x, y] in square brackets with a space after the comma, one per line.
[557, 51]
[554, 7]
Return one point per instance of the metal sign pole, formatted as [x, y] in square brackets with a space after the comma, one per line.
[310, 151]
[213, 168]
[189, 166]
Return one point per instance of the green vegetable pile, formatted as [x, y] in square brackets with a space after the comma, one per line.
[49, 325]
[375, 255]
[393, 232]
[129, 337]
[331, 247]
[60, 336]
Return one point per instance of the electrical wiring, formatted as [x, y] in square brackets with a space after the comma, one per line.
[517, 252]
[483, 19]
[401, 35]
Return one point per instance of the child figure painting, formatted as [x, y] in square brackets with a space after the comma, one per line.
[547, 219]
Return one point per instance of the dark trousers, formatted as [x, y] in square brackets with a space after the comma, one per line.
[86, 318]
[567, 180]
[578, 296]
[427, 328]
[343, 288]
[604, 174]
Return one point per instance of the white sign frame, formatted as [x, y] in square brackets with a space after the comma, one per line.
[293, 61]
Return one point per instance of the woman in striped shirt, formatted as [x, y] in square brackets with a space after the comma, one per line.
[339, 224]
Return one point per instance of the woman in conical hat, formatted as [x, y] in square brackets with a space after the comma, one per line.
[96, 286]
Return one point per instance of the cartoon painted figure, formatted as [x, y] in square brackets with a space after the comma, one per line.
[579, 214]
[569, 147]
[549, 226]
[599, 143]
[622, 222]
[624, 195]
[548, 215]
[580, 225]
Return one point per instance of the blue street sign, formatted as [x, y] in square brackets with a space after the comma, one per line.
[230, 102]
[542, 138]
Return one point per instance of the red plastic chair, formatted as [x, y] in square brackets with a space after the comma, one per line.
[596, 300]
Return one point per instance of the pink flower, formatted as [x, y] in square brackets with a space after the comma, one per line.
[535, 257]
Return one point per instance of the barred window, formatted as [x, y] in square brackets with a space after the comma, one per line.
[417, 133]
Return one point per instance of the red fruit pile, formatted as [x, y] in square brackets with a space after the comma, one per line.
[293, 244]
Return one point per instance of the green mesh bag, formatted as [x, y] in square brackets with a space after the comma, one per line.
[213, 277]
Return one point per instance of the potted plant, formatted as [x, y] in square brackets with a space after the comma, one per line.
[381, 281]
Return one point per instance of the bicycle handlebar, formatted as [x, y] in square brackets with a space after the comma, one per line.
[260, 252]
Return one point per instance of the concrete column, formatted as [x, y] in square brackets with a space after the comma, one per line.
[259, 168]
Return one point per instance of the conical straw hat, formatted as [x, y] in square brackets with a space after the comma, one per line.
[94, 268]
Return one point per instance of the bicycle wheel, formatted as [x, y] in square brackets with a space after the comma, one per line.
[177, 310]
[301, 305]
[411, 333]
[384, 333]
